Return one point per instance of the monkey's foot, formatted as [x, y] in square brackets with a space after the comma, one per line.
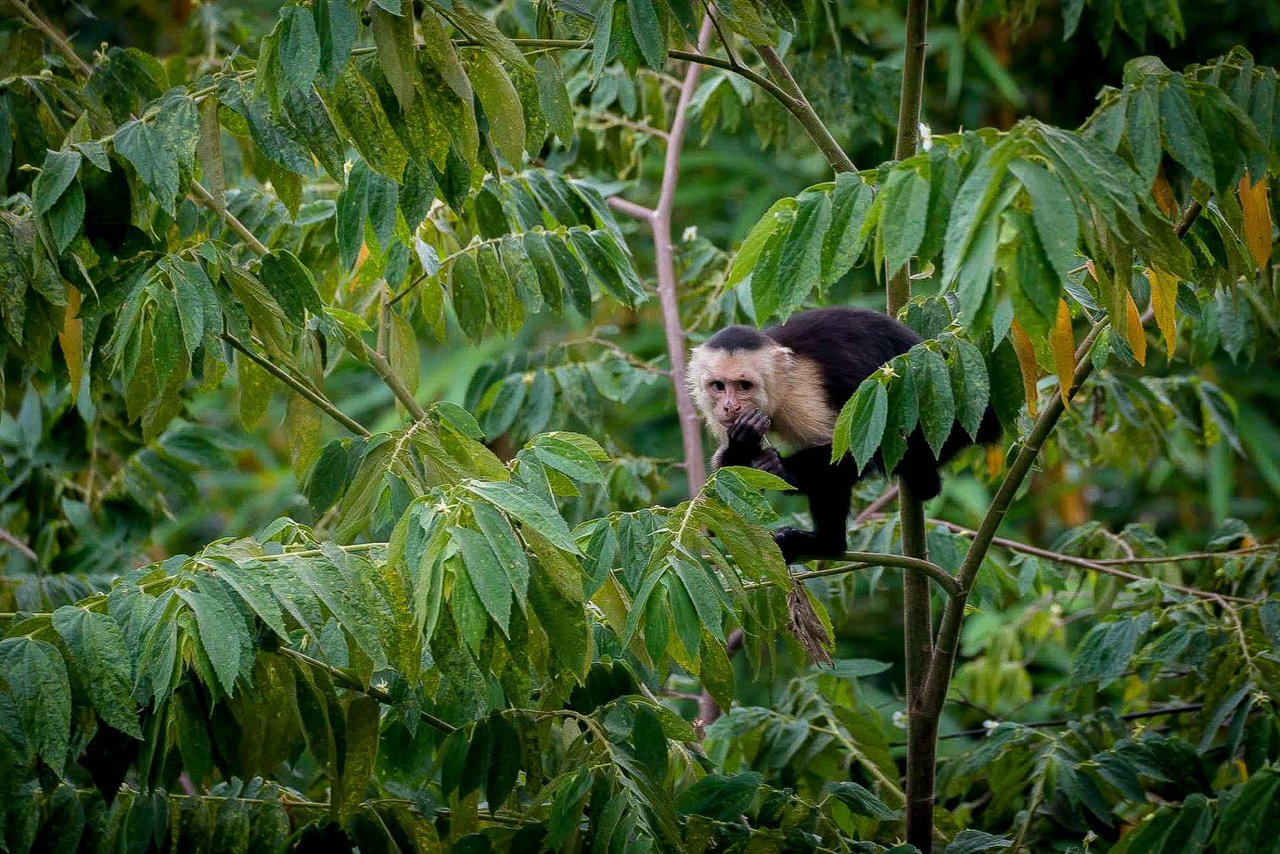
[797, 545]
[770, 461]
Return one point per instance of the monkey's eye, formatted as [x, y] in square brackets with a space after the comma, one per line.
[717, 385]
[746, 385]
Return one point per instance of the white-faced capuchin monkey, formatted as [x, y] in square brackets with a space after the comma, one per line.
[791, 381]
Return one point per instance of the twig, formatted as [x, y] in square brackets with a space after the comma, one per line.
[630, 208]
[59, 42]
[18, 545]
[383, 369]
[884, 500]
[866, 560]
[304, 389]
[1188, 556]
[1130, 716]
[610, 120]
[202, 195]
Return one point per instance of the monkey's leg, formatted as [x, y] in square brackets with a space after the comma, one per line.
[829, 489]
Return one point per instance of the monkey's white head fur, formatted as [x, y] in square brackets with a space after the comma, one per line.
[726, 383]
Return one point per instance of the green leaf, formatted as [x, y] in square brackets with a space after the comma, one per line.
[509, 552]
[356, 106]
[59, 170]
[844, 240]
[292, 286]
[1104, 654]
[36, 679]
[504, 761]
[361, 751]
[933, 394]
[568, 459]
[66, 216]
[971, 386]
[648, 32]
[770, 226]
[156, 163]
[650, 743]
[476, 25]
[801, 259]
[720, 796]
[335, 22]
[601, 38]
[975, 841]
[1183, 136]
[298, 49]
[528, 509]
[253, 587]
[903, 220]
[219, 631]
[488, 578]
[393, 36]
[1053, 214]
[860, 425]
[705, 595]
[861, 801]
[469, 302]
[103, 664]
[553, 98]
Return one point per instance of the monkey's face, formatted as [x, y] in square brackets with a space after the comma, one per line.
[727, 384]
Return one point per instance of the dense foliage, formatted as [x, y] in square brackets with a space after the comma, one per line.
[344, 498]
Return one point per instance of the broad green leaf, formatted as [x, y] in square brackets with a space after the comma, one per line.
[860, 425]
[568, 459]
[648, 31]
[468, 293]
[292, 286]
[862, 801]
[102, 663]
[845, 239]
[393, 36]
[488, 578]
[1183, 135]
[553, 98]
[360, 743]
[298, 48]
[356, 106]
[800, 261]
[219, 634]
[972, 386]
[528, 509]
[59, 170]
[720, 796]
[503, 541]
[36, 679]
[335, 23]
[209, 150]
[903, 220]
[601, 38]
[933, 392]
[705, 594]
[141, 144]
[476, 25]
[1053, 214]
[775, 220]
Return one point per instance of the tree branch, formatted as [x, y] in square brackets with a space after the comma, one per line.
[630, 208]
[18, 545]
[202, 195]
[60, 44]
[383, 369]
[1130, 716]
[319, 400]
[799, 106]
[1103, 567]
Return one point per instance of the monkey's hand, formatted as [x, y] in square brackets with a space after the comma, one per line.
[749, 429]
[770, 461]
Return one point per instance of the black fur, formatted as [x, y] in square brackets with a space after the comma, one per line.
[737, 338]
[849, 345]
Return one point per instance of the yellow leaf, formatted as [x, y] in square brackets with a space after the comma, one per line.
[995, 460]
[1163, 194]
[72, 339]
[1257, 218]
[1063, 343]
[1133, 330]
[1164, 294]
[1027, 362]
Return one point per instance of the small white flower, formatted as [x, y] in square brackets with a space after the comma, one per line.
[690, 234]
[990, 724]
[926, 137]
[900, 719]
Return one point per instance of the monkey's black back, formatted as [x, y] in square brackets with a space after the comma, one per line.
[849, 344]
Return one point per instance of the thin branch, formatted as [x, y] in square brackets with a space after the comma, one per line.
[1129, 716]
[321, 402]
[610, 120]
[630, 208]
[202, 195]
[884, 500]
[18, 545]
[1102, 567]
[383, 369]
[867, 560]
[1188, 556]
[55, 38]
